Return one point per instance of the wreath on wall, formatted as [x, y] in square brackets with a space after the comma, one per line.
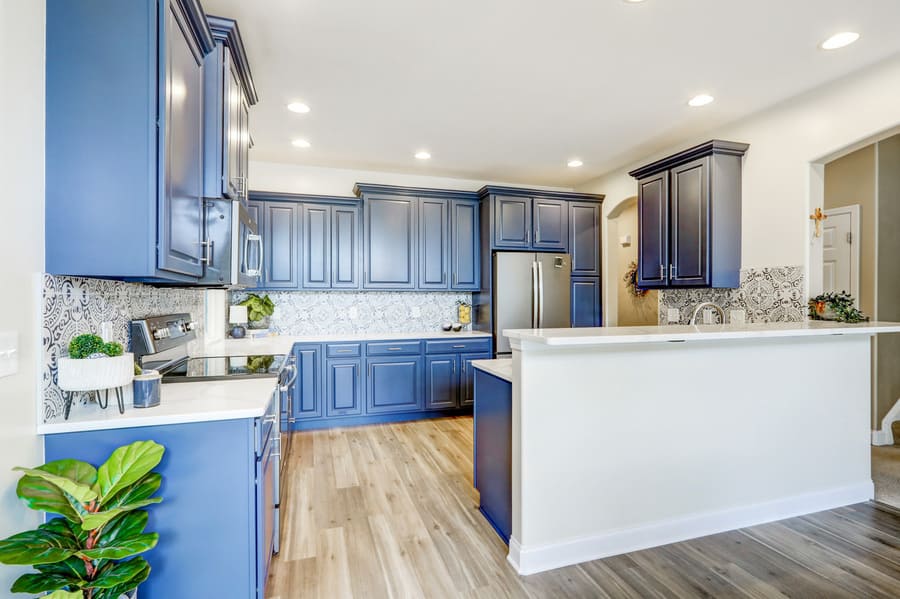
[630, 279]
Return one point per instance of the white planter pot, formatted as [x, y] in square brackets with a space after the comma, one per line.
[95, 374]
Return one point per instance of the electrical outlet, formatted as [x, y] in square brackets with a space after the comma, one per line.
[673, 315]
[738, 316]
[708, 316]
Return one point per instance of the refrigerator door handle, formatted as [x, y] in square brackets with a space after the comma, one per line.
[540, 266]
[534, 295]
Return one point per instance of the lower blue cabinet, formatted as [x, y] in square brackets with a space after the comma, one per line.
[308, 387]
[343, 387]
[394, 384]
[585, 297]
[441, 381]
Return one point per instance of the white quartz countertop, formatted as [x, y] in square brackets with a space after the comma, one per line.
[675, 333]
[500, 367]
[180, 403]
[282, 344]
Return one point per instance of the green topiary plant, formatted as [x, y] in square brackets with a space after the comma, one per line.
[89, 552]
[84, 346]
[835, 306]
[112, 349]
[258, 307]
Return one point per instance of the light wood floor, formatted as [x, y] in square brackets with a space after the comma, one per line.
[389, 511]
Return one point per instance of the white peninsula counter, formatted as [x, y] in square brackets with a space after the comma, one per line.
[634, 437]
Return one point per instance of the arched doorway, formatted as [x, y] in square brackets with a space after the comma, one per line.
[625, 308]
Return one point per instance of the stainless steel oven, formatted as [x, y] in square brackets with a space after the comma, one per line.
[233, 252]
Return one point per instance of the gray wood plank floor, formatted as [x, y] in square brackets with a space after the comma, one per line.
[389, 511]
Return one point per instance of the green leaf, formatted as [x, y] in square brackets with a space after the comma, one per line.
[98, 519]
[126, 466]
[118, 574]
[43, 496]
[123, 527]
[142, 489]
[79, 491]
[72, 567]
[124, 548]
[41, 583]
[41, 546]
[64, 595]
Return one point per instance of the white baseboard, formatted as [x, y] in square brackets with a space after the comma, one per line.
[885, 436]
[534, 559]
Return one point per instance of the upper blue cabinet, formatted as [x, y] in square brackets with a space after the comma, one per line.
[531, 219]
[124, 137]
[584, 238]
[228, 94]
[416, 238]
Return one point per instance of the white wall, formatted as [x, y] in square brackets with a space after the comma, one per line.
[21, 248]
[293, 178]
[779, 187]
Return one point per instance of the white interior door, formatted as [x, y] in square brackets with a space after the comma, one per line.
[840, 244]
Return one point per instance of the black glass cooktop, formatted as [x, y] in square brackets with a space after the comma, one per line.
[224, 368]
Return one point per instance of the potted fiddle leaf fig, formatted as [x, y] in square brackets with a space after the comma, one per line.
[91, 550]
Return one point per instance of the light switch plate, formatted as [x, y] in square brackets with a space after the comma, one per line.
[708, 316]
[9, 353]
[106, 331]
[738, 316]
[673, 315]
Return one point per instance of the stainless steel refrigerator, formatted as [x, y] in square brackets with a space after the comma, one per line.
[531, 291]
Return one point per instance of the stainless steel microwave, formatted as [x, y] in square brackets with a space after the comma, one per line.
[233, 252]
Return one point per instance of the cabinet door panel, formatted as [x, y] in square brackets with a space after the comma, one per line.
[390, 243]
[441, 381]
[316, 249]
[467, 377]
[394, 384]
[433, 244]
[512, 222]
[586, 310]
[345, 247]
[551, 224]
[584, 238]
[231, 162]
[308, 386]
[344, 390]
[280, 260]
[181, 207]
[465, 246]
[653, 231]
[690, 224]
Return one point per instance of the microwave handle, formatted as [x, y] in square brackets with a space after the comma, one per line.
[254, 272]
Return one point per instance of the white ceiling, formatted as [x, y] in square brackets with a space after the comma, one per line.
[509, 90]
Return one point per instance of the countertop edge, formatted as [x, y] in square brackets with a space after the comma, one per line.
[56, 428]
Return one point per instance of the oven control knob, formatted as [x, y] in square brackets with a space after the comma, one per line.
[159, 334]
[191, 326]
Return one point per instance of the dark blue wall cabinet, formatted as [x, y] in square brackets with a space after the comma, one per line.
[228, 92]
[316, 246]
[389, 242]
[465, 245]
[585, 298]
[308, 386]
[689, 213]
[345, 248]
[584, 238]
[533, 219]
[434, 246]
[124, 133]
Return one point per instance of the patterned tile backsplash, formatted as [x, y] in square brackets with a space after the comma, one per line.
[766, 295]
[314, 312]
[72, 306]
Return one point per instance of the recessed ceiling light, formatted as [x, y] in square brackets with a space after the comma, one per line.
[575, 163]
[300, 143]
[423, 155]
[839, 40]
[632, 1]
[700, 100]
[298, 107]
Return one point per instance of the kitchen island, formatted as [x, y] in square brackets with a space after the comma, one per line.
[635, 437]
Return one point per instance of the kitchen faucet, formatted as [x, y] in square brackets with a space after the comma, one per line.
[700, 308]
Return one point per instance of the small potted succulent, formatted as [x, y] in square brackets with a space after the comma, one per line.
[92, 549]
[259, 310]
[93, 364]
[840, 307]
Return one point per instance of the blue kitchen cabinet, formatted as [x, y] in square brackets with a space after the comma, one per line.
[345, 250]
[434, 246]
[280, 239]
[584, 238]
[465, 245]
[394, 384]
[315, 239]
[512, 222]
[389, 242]
[585, 298]
[308, 386]
[344, 387]
[467, 377]
[551, 224]
[218, 503]
[127, 160]
[493, 450]
[441, 381]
